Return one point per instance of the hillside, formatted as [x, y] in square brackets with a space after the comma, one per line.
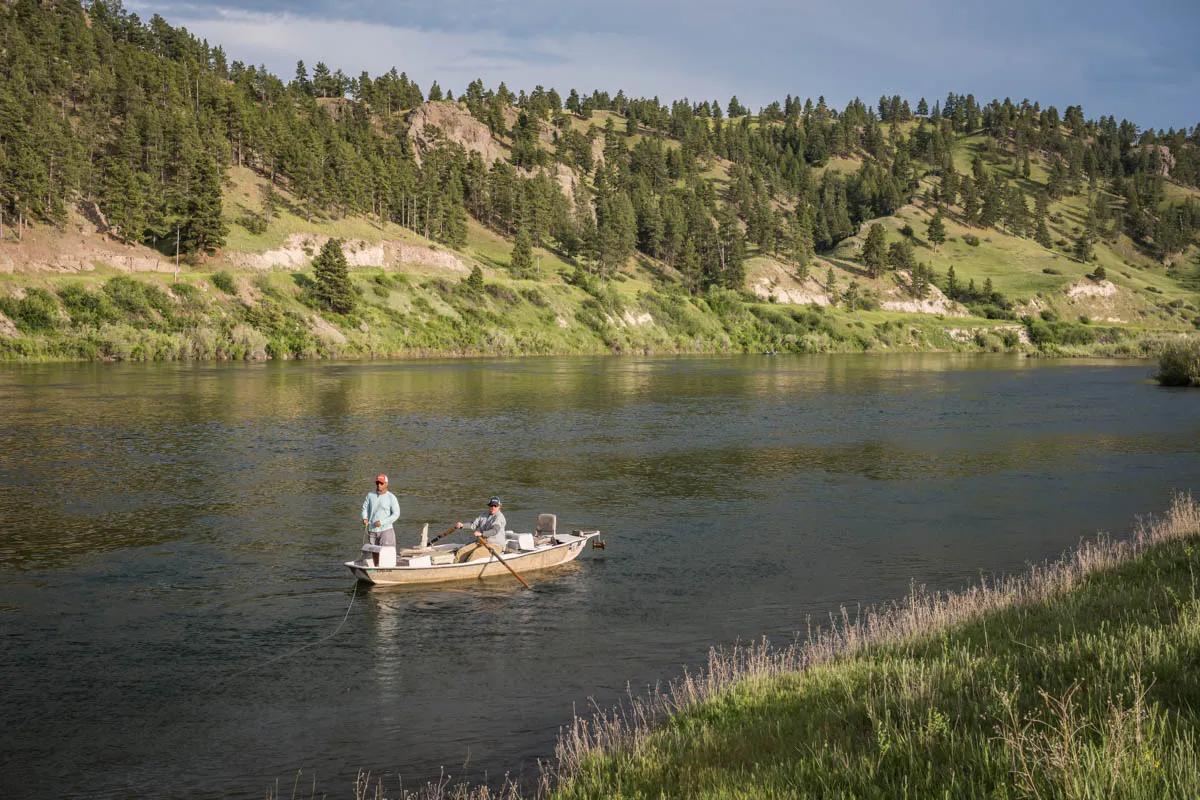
[501, 223]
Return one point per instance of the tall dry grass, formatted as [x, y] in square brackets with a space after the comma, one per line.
[921, 613]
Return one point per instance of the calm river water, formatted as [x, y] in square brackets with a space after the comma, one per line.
[167, 529]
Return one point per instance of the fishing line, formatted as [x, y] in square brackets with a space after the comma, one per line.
[294, 651]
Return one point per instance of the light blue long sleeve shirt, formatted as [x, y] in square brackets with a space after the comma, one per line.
[382, 508]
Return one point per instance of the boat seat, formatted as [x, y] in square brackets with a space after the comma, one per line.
[520, 541]
[547, 525]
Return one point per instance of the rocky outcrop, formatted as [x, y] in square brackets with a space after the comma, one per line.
[934, 302]
[300, 249]
[1090, 288]
[7, 328]
[430, 123]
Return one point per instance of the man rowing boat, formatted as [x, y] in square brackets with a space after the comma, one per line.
[489, 526]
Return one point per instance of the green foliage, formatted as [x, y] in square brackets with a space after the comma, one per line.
[1179, 363]
[900, 255]
[138, 301]
[86, 307]
[521, 263]
[36, 312]
[224, 281]
[874, 251]
[333, 290]
[971, 239]
[474, 281]
[937, 229]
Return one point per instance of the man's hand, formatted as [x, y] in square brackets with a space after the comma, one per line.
[478, 535]
[378, 523]
[457, 525]
[365, 523]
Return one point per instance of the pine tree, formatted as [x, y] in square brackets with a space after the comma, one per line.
[521, 261]
[970, 201]
[952, 288]
[333, 290]
[1083, 246]
[900, 255]
[937, 229]
[1041, 208]
[874, 250]
[204, 228]
[800, 243]
[1042, 233]
[474, 281]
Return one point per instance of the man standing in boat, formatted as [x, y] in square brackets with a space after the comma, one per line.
[380, 510]
[490, 526]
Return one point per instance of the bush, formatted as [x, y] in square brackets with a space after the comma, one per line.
[224, 281]
[37, 311]
[535, 297]
[138, 300]
[474, 282]
[1179, 364]
[1098, 274]
[1154, 289]
[907, 230]
[185, 291]
[501, 293]
[253, 222]
[971, 239]
[87, 307]
[1051, 271]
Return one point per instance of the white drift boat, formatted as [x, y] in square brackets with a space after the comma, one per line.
[524, 552]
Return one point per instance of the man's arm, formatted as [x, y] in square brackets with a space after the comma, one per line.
[393, 512]
[366, 509]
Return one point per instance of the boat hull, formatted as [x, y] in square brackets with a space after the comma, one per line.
[531, 561]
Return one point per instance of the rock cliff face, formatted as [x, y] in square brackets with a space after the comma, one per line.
[430, 123]
[300, 249]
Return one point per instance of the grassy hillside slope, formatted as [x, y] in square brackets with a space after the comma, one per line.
[250, 300]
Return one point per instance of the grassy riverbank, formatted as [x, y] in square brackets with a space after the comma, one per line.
[107, 315]
[1077, 680]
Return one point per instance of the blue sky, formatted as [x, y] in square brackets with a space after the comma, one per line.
[1140, 61]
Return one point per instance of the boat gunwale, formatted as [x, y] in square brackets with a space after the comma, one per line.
[582, 537]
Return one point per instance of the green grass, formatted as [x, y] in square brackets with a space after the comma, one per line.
[244, 194]
[1079, 682]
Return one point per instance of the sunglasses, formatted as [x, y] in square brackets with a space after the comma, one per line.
[381, 483]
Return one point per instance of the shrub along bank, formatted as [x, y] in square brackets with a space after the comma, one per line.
[284, 315]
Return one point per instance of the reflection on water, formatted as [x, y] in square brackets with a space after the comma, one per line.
[165, 527]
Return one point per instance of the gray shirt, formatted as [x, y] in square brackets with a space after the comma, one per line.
[492, 526]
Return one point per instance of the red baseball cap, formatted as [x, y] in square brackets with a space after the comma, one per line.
[381, 477]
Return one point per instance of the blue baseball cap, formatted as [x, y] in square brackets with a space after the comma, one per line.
[494, 501]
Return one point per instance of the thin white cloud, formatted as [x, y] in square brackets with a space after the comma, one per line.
[454, 59]
[1110, 61]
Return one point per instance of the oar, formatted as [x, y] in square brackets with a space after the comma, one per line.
[492, 550]
[443, 535]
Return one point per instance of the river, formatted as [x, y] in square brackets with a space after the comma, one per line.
[166, 530]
